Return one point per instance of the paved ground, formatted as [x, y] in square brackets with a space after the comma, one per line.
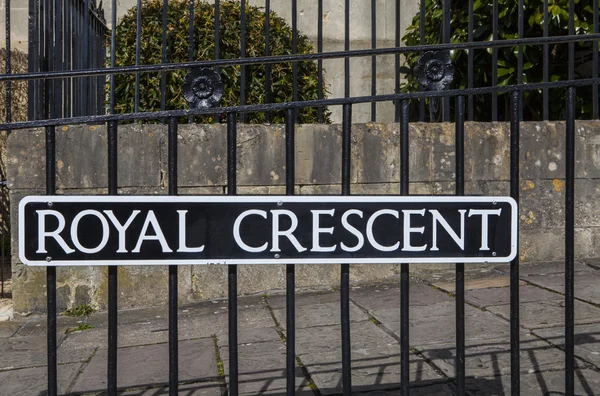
[143, 353]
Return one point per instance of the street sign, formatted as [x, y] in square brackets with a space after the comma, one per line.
[143, 230]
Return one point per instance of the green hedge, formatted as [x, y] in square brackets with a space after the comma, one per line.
[230, 30]
[533, 55]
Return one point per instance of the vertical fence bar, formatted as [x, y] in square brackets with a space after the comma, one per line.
[404, 268]
[243, 55]
[112, 190]
[31, 59]
[51, 271]
[268, 88]
[57, 58]
[521, 33]
[347, 48]
[85, 55]
[163, 75]
[50, 190]
[173, 345]
[191, 43]
[570, 218]
[232, 269]
[397, 61]
[216, 117]
[446, 40]
[494, 59]
[138, 45]
[471, 57]
[290, 277]
[345, 268]
[112, 270]
[422, 41]
[295, 51]
[8, 65]
[460, 267]
[515, 379]
[320, 62]
[373, 59]
[68, 42]
[546, 67]
[595, 63]
[570, 245]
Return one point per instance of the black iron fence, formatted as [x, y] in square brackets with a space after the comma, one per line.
[65, 36]
[442, 75]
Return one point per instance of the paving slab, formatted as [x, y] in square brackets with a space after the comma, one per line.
[489, 358]
[38, 326]
[149, 365]
[262, 369]
[197, 389]
[18, 352]
[197, 326]
[587, 341]
[541, 314]
[486, 282]
[321, 297]
[377, 298]
[319, 315]
[484, 298]
[436, 324]
[372, 369]
[443, 389]
[550, 383]
[375, 358]
[7, 329]
[543, 268]
[556, 282]
[33, 381]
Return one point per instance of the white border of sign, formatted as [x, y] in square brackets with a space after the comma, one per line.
[269, 199]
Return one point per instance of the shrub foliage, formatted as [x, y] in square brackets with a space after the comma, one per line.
[178, 19]
[533, 55]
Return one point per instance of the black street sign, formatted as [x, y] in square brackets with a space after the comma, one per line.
[142, 230]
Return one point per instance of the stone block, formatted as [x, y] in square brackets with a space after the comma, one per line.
[486, 151]
[145, 365]
[262, 369]
[542, 314]
[34, 380]
[485, 298]
[19, 352]
[587, 340]
[491, 358]
[326, 314]
[316, 159]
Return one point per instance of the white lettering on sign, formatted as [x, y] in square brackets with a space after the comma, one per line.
[484, 213]
[277, 233]
[353, 230]
[182, 235]
[42, 234]
[370, 235]
[410, 230]
[316, 231]
[238, 237]
[350, 229]
[121, 229]
[75, 233]
[158, 236]
[437, 217]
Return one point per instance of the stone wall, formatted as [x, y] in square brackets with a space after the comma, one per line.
[81, 160]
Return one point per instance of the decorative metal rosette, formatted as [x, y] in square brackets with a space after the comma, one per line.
[434, 71]
[202, 88]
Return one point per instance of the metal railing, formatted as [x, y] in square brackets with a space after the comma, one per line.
[55, 87]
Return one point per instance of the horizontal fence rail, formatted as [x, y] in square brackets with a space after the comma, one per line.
[83, 70]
